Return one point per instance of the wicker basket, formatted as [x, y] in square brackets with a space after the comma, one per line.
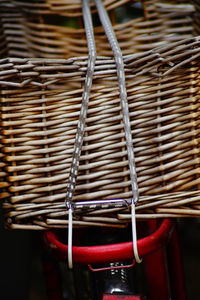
[41, 92]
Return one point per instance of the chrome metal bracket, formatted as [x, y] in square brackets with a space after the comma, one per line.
[99, 204]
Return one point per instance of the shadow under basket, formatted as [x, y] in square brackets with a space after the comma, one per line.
[41, 94]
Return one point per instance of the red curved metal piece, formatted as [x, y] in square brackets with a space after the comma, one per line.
[112, 252]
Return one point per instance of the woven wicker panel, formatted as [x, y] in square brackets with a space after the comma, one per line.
[39, 124]
[40, 104]
[31, 32]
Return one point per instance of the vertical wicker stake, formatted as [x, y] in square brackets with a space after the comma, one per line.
[125, 111]
[81, 123]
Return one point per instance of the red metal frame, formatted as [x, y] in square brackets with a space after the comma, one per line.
[157, 276]
[112, 252]
[175, 267]
[164, 270]
[161, 259]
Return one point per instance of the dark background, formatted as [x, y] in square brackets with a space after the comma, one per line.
[22, 276]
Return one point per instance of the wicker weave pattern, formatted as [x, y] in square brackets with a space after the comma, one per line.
[38, 37]
[62, 7]
[40, 117]
[40, 104]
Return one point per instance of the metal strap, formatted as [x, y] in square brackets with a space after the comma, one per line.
[84, 105]
[82, 120]
[126, 119]
[123, 94]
